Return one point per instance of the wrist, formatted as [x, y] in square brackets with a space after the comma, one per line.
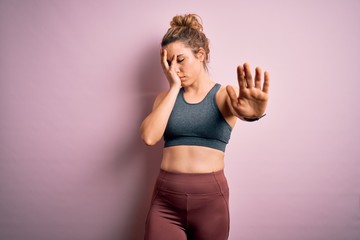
[253, 119]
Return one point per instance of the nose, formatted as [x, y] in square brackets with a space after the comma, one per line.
[177, 69]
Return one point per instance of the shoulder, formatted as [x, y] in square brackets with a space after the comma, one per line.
[223, 105]
[222, 92]
[221, 97]
[159, 98]
[161, 95]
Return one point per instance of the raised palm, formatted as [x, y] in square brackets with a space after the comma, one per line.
[252, 99]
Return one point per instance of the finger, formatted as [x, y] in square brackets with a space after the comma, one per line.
[173, 60]
[258, 78]
[231, 93]
[248, 76]
[240, 76]
[266, 82]
[164, 62]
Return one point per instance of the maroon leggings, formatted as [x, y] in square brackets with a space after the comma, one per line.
[189, 206]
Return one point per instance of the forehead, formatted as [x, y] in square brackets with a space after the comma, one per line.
[176, 48]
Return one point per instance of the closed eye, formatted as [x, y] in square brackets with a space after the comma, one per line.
[180, 60]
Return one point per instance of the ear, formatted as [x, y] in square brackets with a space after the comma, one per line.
[201, 54]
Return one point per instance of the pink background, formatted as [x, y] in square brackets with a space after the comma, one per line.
[78, 77]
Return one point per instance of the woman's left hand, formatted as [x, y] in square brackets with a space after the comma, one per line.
[252, 99]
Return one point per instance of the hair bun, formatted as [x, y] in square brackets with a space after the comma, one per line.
[187, 20]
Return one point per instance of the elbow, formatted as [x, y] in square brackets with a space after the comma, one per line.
[148, 137]
[149, 141]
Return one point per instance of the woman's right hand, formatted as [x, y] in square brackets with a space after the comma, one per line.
[169, 70]
[153, 127]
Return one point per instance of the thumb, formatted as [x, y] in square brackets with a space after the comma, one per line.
[232, 95]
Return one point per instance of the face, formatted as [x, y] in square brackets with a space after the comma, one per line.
[188, 66]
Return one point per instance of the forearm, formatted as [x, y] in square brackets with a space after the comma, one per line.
[153, 126]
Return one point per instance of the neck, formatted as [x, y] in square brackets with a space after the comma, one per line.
[203, 83]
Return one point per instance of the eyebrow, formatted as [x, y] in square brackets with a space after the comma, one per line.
[176, 56]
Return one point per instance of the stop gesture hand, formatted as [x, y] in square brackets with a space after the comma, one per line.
[252, 99]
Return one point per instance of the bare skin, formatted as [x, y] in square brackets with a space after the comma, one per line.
[185, 69]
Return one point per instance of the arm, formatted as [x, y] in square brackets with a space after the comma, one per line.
[153, 126]
[251, 102]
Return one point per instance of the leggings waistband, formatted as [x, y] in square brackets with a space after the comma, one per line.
[192, 183]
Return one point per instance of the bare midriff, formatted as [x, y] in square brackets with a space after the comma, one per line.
[192, 159]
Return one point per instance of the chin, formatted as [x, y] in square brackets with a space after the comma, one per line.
[186, 83]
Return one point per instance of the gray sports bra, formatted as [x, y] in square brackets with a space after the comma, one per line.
[200, 124]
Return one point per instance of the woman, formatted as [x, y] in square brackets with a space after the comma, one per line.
[195, 116]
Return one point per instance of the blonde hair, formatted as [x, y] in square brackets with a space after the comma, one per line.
[189, 30]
